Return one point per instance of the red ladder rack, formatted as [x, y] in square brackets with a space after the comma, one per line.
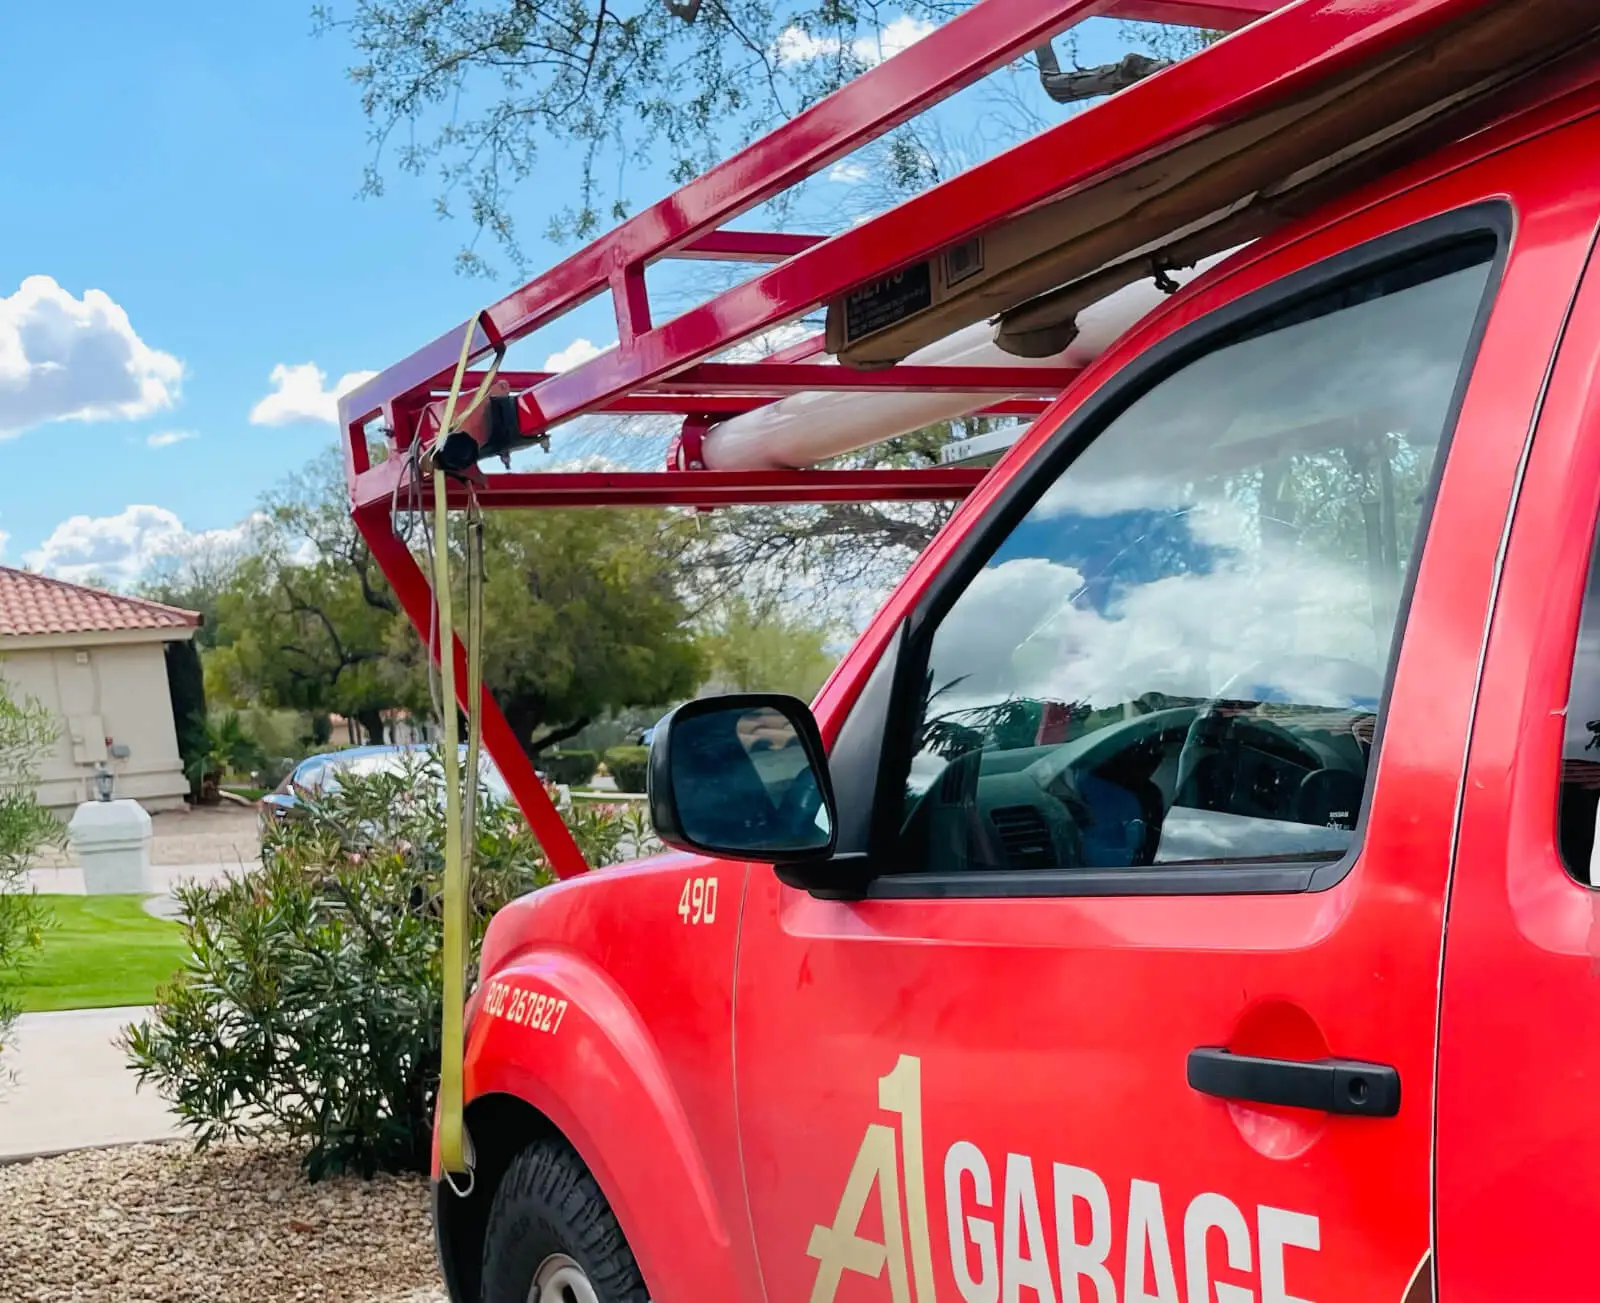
[664, 367]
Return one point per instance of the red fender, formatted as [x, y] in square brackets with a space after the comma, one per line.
[555, 1031]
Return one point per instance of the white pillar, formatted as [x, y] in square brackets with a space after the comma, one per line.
[112, 841]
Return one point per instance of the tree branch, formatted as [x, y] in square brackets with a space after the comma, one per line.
[1091, 83]
[298, 607]
[373, 598]
[535, 745]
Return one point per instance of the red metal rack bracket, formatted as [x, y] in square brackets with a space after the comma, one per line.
[691, 488]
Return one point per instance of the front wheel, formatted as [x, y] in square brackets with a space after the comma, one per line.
[552, 1238]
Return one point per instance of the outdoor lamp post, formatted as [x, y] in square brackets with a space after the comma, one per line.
[104, 780]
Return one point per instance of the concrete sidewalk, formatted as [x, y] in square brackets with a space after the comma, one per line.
[67, 879]
[73, 1088]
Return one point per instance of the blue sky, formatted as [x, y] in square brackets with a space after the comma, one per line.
[195, 166]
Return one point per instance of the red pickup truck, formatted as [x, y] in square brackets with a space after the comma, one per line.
[1184, 890]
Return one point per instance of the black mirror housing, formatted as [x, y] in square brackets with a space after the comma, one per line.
[745, 777]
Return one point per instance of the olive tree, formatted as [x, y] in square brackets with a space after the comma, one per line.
[26, 735]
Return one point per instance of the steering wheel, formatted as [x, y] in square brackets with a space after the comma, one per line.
[1209, 762]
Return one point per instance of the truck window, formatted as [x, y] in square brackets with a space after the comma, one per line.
[1178, 655]
[1580, 751]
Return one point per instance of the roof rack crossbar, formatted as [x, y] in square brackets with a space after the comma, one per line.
[707, 489]
[685, 400]
[746, 246]
[778, 378]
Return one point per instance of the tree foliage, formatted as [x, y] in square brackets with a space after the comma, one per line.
[477, 89]
[479, 92]
[586, 616]
[306, 619]
[27, 733]
[195, 575]
[765, 646]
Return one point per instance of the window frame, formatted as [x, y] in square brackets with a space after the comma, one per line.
[854, 764]
[1591, 575]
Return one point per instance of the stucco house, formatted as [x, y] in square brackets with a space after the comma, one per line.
[98, 662]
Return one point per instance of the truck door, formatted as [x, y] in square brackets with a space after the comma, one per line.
[1173, 744]
[1519, 1047]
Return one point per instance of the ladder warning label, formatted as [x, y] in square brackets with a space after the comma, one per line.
[885, 302]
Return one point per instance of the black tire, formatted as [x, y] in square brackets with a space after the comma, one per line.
[549, 1204]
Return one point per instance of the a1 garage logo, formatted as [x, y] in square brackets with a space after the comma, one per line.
[999, 1253]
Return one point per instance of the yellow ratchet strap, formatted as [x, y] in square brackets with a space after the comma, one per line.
[459, 828]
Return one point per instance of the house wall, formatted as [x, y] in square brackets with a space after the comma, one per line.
[105, 690]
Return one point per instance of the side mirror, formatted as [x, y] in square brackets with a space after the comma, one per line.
[742, 777]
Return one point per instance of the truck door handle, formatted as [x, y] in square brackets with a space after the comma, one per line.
[1328, 1085]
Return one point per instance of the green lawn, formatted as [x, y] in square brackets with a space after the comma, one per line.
[102, 951]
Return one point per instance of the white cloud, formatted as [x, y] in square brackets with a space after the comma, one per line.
[300, 393]
[4, 538]
[796, 45]
[848, 173]
[120, 548]
[166, 438]
[900, 35]
[68, 359]
[1301, 624]
[575, 353]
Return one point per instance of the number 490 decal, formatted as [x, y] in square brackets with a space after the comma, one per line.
[698, 904]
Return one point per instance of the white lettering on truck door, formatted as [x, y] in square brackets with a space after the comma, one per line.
[1011, 1262]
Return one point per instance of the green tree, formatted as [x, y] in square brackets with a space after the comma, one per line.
[753, 646]
[194, 576]
[306, 620]
[303, 637]
[585, 615]
[26, 735]
[836, 559]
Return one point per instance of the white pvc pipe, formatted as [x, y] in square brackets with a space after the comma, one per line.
[806, 428]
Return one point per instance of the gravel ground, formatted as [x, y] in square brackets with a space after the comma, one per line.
[238, 1224]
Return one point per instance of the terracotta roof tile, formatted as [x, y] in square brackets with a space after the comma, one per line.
[35, 604]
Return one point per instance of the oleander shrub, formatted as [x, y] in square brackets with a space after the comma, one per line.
[310, 1004]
